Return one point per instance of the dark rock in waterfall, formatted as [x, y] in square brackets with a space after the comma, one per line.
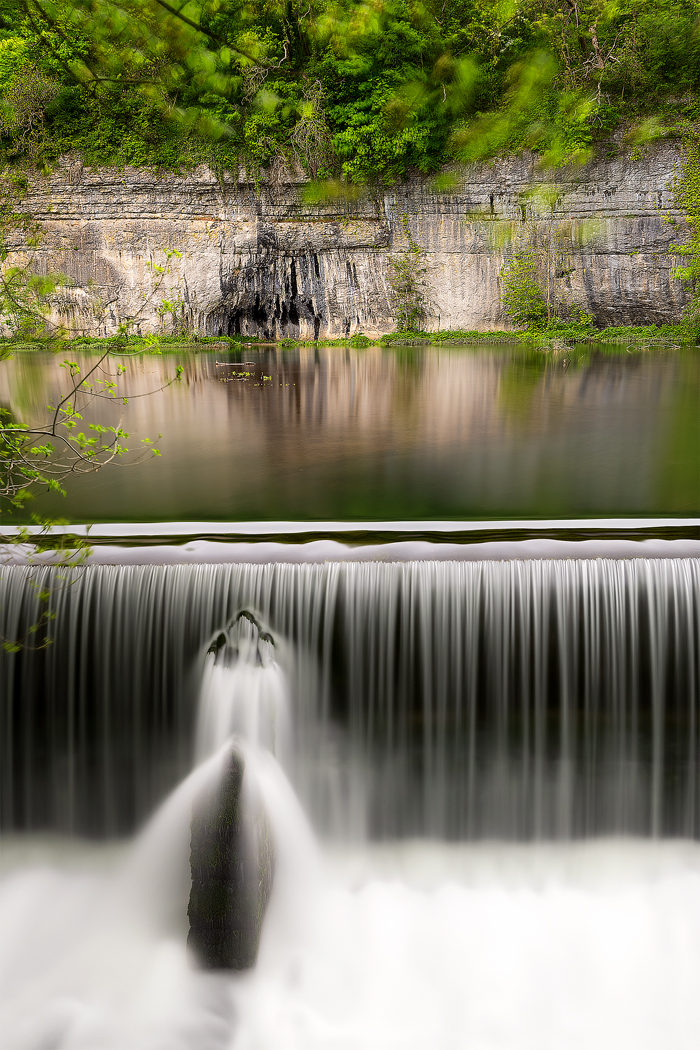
[218, 644]
[243, 638]
[232, 863]
[244, 614]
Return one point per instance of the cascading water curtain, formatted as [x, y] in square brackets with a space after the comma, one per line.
[518, 700]
[539, 699]
[98, 726]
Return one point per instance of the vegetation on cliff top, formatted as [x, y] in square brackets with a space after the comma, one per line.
[368, 90]
[360, 92]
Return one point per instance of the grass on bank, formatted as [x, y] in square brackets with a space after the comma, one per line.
[559, 338]
[560, 335]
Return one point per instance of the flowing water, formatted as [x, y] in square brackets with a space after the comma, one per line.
[481, 779]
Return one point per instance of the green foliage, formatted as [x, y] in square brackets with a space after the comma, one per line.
[557, 335]
[367, 91]
[359, 341]
[409, 284]
[521, 294]
[687, 195]
[531, 290]
[27, 95]
[448, 337]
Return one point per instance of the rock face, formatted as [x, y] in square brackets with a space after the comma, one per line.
[232, 864]
[260, 261]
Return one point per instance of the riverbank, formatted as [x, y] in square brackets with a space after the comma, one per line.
[637, 337]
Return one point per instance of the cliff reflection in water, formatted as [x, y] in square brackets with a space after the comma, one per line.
[397, 433]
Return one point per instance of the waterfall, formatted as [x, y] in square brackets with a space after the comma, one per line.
[409, 704]
[461, 700]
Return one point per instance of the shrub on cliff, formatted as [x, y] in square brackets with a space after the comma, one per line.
[409, 284]
[522, 297]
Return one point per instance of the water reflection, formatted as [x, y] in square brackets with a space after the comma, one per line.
[397, 433]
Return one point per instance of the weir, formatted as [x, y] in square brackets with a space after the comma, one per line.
[519, 700]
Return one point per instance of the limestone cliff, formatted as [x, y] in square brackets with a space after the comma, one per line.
[263, 262]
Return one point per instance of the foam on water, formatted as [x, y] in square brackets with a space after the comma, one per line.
[94, 955]
[419, 945]
[583, 948]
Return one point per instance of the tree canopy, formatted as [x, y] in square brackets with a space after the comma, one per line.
[369, 91]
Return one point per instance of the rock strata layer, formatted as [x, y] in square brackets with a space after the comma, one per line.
[192, 253]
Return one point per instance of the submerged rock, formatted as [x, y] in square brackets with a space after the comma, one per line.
[232, 863]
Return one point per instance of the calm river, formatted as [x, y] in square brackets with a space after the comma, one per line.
[335, 434]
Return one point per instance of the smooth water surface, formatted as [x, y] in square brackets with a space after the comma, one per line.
[400, 433]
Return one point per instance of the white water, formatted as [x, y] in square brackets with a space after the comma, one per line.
[421, 945]
[425, 945]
